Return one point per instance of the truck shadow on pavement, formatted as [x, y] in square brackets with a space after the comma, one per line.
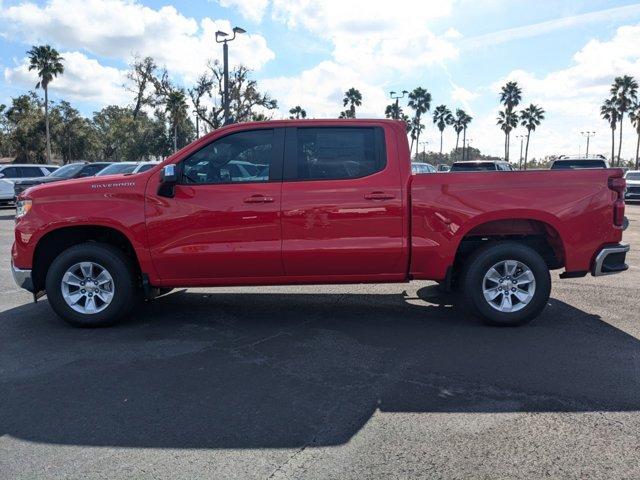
[270, 370]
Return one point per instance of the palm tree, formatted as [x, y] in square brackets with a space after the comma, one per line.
[416, 129]
[634, 115]
[466, 120]
[353, 98]
[458, 125]
[625, 92]
[507, 120]
[176, 106]
[48, 63]
[530, 118]
[420, 102]
[609, 112]
[442, 117]
[393, 111]
[297, 113]
[510, 96]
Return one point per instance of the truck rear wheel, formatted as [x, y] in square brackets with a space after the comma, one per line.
[91, 285]
[506, 283]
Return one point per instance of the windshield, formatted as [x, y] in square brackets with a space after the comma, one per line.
[117, 168]
[473, 167]
[67, 171]
[633, 176]
[569, 164]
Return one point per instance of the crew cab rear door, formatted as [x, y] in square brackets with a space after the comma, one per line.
[342, 205]
[223, 222]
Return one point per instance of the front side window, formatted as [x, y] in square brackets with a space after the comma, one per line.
[337, 153]
[68, 171]
[236, 158]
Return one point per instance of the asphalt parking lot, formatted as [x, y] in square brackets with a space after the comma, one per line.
[349, 382]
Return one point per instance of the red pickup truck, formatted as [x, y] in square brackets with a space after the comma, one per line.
[311, 202]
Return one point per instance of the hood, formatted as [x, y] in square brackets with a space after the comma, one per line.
[36, 180]
[86, 185]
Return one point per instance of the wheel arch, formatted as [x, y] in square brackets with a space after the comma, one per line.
[534, 231]
[55, 241]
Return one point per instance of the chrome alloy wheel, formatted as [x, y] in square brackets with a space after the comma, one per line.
[509, 286]
[87, 287]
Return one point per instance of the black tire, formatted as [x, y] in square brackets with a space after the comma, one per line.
[481, 261]
[118, 266]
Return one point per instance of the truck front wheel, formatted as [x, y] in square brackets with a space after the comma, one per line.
[506, 283]
[91, 285]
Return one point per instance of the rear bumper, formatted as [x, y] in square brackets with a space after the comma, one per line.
[22, 278]
[610, 260]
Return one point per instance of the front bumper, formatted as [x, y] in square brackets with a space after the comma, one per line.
[610, 260]
[22, 278]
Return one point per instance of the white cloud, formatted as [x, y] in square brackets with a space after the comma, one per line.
[121, 28]
[84, 79]
[372, 36]
[572, 98]
[373, 43]
[452, 33]
[251, 9]
[320, 91]
[462, 95]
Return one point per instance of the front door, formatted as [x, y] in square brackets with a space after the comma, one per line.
[342, 205]
[224, 220]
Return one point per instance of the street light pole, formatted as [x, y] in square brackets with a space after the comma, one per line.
[396, 97]
[197, 123]
[588, 135]
[465, 155]
[424, 150]
[521, 137]
[225, 65]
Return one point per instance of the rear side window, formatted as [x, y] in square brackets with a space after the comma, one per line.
[337, 153]
[31, 172]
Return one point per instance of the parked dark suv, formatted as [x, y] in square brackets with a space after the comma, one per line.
[571, 163]
[70, 170]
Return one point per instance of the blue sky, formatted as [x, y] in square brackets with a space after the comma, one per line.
[564, 54]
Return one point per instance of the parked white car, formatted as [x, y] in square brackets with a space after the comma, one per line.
[633, 185]
[13, 171]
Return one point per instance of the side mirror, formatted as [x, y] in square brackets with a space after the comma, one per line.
[1, 175]
[169, 174]
[168, 181]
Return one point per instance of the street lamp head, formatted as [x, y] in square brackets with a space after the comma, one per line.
[238, 30]
[392, 92]
[404, 92]
[220, 34]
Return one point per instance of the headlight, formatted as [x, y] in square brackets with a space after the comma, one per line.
[23, 207]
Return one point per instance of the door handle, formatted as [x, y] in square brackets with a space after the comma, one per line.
[379, 196]
[258, 199]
